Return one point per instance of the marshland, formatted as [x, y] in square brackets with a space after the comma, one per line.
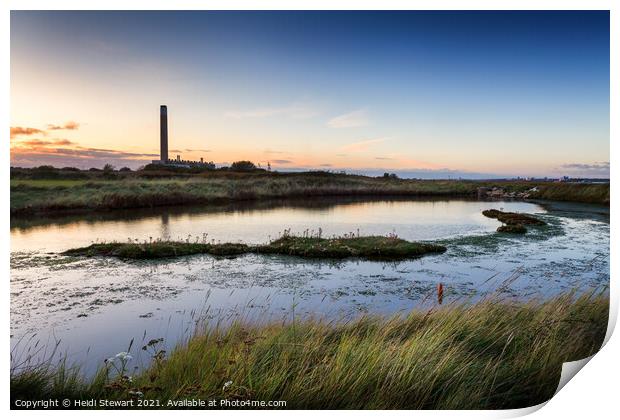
[48, 189]
[326, 331]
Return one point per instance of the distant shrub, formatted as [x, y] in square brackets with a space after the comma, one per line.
[44, 168]
[390, 176]
[243, 166]
[45, 172]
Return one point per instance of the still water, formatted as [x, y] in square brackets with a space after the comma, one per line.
[90, 309]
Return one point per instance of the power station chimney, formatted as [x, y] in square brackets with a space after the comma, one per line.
[163, 133]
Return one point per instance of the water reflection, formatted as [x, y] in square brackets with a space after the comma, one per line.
[259, 222]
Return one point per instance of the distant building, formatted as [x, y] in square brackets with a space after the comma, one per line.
[163, 147]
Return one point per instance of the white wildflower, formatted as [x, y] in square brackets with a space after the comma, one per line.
[124, 356]
[226, 385]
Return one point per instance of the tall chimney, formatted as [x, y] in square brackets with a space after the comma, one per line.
[163, 132]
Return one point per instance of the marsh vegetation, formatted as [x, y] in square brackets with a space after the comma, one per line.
[512, 222]
[310, 245]
[498, 352]
[65, 191]
[490, 355]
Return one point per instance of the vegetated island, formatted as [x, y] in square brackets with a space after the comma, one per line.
[47, 189]
[513, 222]
[367, 247]
[490, 355]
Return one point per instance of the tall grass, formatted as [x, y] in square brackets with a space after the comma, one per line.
[489, 355]
[582, 193]
[134, 192]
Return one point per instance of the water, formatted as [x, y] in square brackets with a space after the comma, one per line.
[94, 307]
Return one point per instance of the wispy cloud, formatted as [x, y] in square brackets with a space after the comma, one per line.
[358, 118]
[587, 166]
[587, 169]
[30, 131]
[297, 111]
[34, 152]
[39, 142]
[25, 131]
[383, 158]
[281, 161]
[362, 145]
[198, 150]
[81, 152]
[69, 125]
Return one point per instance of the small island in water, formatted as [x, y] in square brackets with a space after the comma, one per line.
[369, 247]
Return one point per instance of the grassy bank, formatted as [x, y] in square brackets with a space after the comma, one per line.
[137, 190]
[579, 193]
[490, 355]
[369, 247]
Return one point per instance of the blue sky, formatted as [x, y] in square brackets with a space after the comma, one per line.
[432, 93]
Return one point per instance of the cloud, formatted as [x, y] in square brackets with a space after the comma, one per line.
[587, 166]
[281, 161]
[25, 131]
[587, 169]
[36, 152]
[39, 142]
[69, 125]
[198, 150]
[383, 158]
[326, 165]
[62, 142]
[297, 111]
[362, 145]
[82, 152]
[29, 131]
[272, 152]
[356, 118]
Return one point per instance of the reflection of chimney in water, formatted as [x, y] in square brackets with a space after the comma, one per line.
[163, 132]
[165, 228]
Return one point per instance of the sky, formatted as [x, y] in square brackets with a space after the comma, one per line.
[422, 94]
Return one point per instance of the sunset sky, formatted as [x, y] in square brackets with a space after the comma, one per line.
[431, 94]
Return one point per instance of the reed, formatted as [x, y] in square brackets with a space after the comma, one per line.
[494, 354]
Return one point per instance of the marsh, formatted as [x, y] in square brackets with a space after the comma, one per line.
[95, 307]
